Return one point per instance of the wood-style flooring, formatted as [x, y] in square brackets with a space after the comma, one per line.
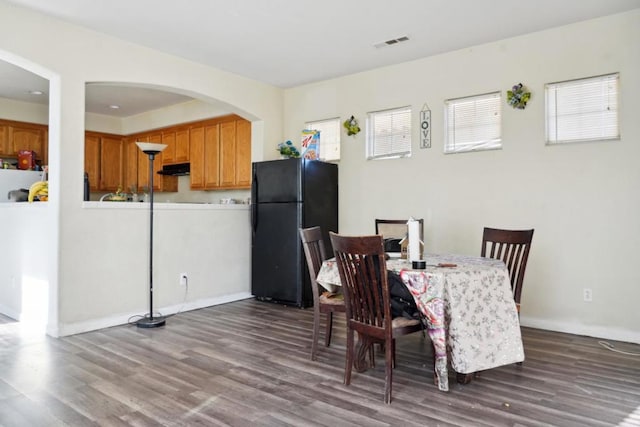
[247, 364]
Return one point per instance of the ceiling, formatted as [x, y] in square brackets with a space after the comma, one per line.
[292, 42]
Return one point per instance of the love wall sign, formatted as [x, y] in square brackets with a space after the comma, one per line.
[425, 127]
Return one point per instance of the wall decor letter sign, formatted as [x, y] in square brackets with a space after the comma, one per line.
[425, 127]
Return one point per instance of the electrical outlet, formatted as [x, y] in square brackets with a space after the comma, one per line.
[587, 295]
[183, 279]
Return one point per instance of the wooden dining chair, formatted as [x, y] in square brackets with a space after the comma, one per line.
[362, 267]
[323, 302]
[512, 247]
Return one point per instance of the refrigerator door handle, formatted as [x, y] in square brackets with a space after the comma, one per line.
[254, 203]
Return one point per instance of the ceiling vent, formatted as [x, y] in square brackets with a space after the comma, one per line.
[391, 42]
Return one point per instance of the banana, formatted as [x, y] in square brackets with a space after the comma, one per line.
[37, 188]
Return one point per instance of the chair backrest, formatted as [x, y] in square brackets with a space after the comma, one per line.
[396, 228]
[315, 254]
[512, 247]
[362, 268]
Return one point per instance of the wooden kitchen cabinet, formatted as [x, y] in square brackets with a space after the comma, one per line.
[92, 160]
[4, 140]
[16, 136]
[104, 161]
[27, 137]
[243, 154]
[227, 154]
[131, 151]
[220, 154]
[177, 150]
[111, 164]
[160, 182]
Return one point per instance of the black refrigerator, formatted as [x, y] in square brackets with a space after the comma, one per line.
[286, 195]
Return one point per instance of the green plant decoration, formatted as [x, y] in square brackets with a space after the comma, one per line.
[518, 96]
[287, 149]
[351, 125]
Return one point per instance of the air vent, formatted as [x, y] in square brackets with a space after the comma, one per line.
[391, 42]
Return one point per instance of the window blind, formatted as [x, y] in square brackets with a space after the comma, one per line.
[473, 123]
[582, 110]
[389, 133]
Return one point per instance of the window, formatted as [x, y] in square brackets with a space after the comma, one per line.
[582, 110]
[329, 137]
[389, 133]
[473, 123]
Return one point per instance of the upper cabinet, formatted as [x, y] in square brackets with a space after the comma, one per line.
[218, 150]
[16, 136]
[160, 182]
[103, 161]
[177, 140]
[220, 154]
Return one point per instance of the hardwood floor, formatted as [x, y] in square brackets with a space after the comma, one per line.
[248, 364]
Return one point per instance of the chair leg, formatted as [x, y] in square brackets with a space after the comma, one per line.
[388, 371]
[393, 352]
[316, 332]
[328, 329]
[349, 357]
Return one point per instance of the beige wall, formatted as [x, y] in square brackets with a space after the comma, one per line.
[582, 199]
[80, 242]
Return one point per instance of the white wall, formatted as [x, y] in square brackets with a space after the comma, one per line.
[24, 111]
[582, 199]
[69, 60]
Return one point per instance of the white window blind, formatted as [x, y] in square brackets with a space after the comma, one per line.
[473, 123]
[329, 137]
[582, 110]
[389, 133]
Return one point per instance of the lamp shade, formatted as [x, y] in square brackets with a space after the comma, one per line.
[150, 147]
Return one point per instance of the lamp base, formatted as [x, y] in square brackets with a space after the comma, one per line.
[148, 322]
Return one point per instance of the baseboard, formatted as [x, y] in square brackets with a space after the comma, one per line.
[9, 312]
[595, 331]
[122, 319]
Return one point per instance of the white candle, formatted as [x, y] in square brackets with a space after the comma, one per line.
[414, 239]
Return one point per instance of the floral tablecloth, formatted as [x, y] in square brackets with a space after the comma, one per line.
[470, 310]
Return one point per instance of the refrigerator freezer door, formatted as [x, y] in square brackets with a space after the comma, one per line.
[276, 181]
[277, 261]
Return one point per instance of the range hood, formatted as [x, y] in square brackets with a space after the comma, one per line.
[178, 169]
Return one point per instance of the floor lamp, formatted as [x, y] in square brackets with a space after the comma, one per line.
[149, 321]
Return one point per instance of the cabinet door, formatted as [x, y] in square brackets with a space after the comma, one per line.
[243, 154]
[92, 160]
[169, 153]
[182, 146]
[4, 140]
[212, 156]
[143, 165]
[111, 164]
[196, 154]
[227, 154]
[27, 138]
[131, 165]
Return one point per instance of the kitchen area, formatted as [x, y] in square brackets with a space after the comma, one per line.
[206, 161]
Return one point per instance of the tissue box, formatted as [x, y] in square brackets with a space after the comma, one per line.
[310, 144]
[26, 159]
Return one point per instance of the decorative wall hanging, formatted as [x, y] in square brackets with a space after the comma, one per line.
[518, 96]
[425, 127]
[351, 125]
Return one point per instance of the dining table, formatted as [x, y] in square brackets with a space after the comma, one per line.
[469, 309]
